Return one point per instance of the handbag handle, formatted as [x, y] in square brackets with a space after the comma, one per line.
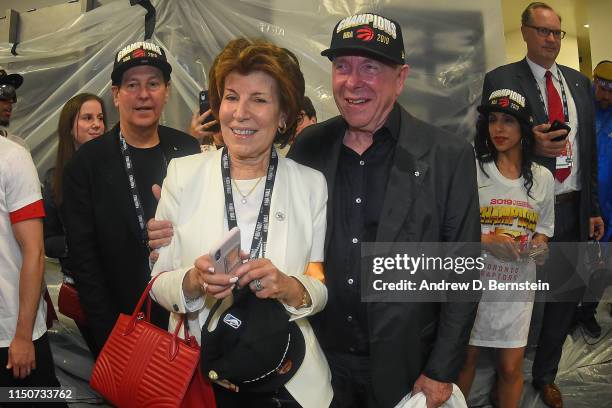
[174, 343]
[138, 307]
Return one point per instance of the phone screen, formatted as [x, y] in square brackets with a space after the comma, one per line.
[232, 259]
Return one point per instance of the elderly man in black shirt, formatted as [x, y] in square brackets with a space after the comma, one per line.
[391, 178]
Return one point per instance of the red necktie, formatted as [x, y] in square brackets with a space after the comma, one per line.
[555, 112]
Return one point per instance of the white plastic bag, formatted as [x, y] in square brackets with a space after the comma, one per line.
[456, 400]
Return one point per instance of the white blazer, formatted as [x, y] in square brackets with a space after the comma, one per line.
[193, 200]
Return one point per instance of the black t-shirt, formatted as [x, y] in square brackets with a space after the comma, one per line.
[150, 167]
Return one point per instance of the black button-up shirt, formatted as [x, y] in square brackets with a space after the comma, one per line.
[359, 192]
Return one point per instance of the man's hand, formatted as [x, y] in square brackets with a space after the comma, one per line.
[160, 232]
[544, 145]
[596, 228]
[21, 357]
[436, 393]
[29, 235]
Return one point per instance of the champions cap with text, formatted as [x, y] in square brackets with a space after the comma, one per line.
[368, 33]
[510, 102]
[140, 53]
[603, 74]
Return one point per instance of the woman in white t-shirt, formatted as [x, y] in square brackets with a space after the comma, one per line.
[517, 218]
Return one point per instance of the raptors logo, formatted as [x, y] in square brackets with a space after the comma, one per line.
[365, 33]
[139, 53]
[504, 102]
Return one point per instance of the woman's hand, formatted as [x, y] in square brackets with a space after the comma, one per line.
[199, 129]
[202, 280]
[501, 246]
[266, 281]
[540, 241]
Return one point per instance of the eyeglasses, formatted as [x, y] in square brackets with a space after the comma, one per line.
[8, 93]
[545, 32]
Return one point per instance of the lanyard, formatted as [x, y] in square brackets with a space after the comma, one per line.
[563, 98]
[129, 170]
[260, 235]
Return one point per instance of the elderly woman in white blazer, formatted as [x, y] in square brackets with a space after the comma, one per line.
[254, 87]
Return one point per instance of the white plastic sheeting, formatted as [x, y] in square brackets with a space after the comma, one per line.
[449, 48]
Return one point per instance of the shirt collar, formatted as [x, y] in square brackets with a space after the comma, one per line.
[539, 71]
[393, 122]
[391, 126]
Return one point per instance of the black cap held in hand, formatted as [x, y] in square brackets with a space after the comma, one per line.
[254, 345]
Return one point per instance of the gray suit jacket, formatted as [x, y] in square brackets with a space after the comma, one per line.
[431, 196]
[518, 76]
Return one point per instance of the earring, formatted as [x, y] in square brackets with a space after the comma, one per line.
[282, 128]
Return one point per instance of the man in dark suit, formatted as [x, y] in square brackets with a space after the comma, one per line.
[557, 92]
[390, 178]
[108, 191]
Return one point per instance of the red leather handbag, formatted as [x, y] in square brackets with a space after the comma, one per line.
[69, 305]
[142, 365]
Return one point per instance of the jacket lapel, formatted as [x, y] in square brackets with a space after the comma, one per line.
[528, 85]
[329, 170]
[406, 176]
[279, 217]
[169, 146]
[113, 172]
[577, 92]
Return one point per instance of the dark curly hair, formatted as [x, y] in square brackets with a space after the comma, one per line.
[486, 152]
[244, 56]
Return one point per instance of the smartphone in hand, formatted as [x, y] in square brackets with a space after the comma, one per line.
[558, 125]
[226, 253]
[204, 106]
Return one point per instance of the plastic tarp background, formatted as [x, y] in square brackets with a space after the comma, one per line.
[449, 48]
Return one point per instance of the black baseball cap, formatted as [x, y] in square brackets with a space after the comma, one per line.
[370, 34]
[8, 85]
[510, 102]
[254, 345]
[140, 53]
[10, 79]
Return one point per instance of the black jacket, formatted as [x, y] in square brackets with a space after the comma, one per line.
[431, 196]
[518, 76]
[55, 237]
[107, 256]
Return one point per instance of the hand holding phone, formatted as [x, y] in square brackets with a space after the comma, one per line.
[226, 253]
[558, 125]
[204, 106]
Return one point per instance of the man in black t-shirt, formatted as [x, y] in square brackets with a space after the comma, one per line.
[108, 191]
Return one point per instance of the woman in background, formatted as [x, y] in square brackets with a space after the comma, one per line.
[82, 119]
[517, 218]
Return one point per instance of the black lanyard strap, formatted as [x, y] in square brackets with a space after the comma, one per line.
[260, 235]
[129, 170]
[563, 97]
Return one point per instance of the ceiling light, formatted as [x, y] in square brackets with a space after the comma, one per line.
[586, 26]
